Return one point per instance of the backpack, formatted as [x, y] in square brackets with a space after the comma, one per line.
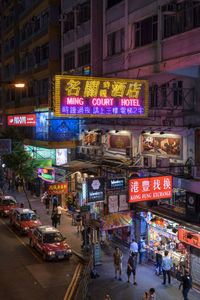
[187, 281]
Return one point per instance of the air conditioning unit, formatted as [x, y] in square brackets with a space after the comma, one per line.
[196, 172]
[149, 161]
[169, 9]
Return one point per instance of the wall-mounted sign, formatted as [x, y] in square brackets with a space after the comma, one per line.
[58, 188]
[22, 120]
[79, 96]
[169, 145]
[47, 174]
[61, 156]
[44, 163]
[123, 205]
[113, 204]
[119, 141]
[151, 188]
[95, 189]
[41, 153]
[191, 203]
[189, 238]
[116, 183]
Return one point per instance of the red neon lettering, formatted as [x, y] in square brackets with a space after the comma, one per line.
[129, 102]
[74, 101]
[102, 101]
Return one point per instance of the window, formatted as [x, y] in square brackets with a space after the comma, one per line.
[111, 3]
[37, 55]
[23, 63]
[84, 55]
[23, 33]
[186, 17]
[178, 93]
[45, 51]
[12, 43]
[146, 31]
[36, 24]
[69, 61]
[69, 22]
[30, 59]
[164, 94]
[115, 42]
[83, 13]
[45, 87]
[154, 96]
[44, 18]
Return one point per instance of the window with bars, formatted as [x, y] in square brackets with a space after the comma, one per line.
[186, 17]
[178, 93]
[146, 31]
[69, 61]
[69, 22]
[45, 51]
[84, 55]
[115, 42]
[44, 18]
[83, 13]
[154, 96]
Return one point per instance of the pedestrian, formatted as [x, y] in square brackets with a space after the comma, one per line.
[166, 267]
[131, 268]
[186, 282]
[134, 248]
[54, 218]
[55, 201]
[141, 249]
[85, 237]
[110, 234]
[117, 260]
[22, 205]
[150, 295]
[78, 223]
[59, 210]
[17, 182]
[158, 261]
[47, 203]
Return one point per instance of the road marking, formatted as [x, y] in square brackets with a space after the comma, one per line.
[75, 282]
[22, 242]
[72, 281]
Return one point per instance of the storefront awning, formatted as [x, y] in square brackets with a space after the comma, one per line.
[77, 165]
[118, 220]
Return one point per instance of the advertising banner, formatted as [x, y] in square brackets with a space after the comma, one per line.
[22, 120]
[117, 220]
[47, 174]
[113, 204]
[189, 238]
[151, 188]
[79, 96]
[168, 145]
[120, 142]
[123, 205]
[58, 188]
[116, 183]
[95, 189]
[191, 202]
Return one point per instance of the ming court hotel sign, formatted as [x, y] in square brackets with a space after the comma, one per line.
[79, 96]
[151, 188]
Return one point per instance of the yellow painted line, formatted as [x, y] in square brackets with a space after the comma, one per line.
[74, 284]
[22, 242]
[71, 283]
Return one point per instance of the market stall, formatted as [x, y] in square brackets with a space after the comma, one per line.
[163, 233]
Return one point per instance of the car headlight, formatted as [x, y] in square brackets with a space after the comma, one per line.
[50, 253]
[69, 250]
[6, 211]
[26, 228]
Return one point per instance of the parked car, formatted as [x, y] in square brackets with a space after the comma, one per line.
[6, 204]
[50, 243]
[24, 219]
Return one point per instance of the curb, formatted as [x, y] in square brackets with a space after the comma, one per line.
[79, 255]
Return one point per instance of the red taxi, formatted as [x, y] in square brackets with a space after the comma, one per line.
[49, 242]
[6, 204]
[24, 219]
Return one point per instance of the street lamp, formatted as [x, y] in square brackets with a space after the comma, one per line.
[19, 85]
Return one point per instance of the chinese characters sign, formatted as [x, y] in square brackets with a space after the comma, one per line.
[189, 237]
[58, 188]
[80, 96]
[152, 188]
[22, 120]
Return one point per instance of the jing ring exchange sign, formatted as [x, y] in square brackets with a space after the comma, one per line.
[79, 96]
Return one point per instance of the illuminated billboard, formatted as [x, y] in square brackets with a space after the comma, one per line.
[22, 120]
[151, 188]
[189, 237]
[79, 96]
[47, 174]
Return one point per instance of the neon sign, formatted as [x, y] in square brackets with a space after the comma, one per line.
[47, 174]
[80, 96]
[22, 120]
[152, 188]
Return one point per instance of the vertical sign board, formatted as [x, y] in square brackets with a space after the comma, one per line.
[97, 253]
[79, 96]
[95, 189]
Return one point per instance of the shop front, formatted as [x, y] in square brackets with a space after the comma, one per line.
[163, 233]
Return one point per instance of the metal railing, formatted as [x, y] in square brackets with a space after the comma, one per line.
[81, 292]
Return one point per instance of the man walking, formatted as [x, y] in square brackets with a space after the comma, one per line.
[141, 249]
[117, 260]
[166, 267]
[134, 249]
[131, 268]
[186, 282]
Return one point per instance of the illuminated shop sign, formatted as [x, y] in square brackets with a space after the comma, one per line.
[47, 174]
[41, 153]
[116, 183]
[81, 96]
[22, 120]
[152, 188]
[95, 189]
[189, 237]
[61, 157]
[58, 188]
